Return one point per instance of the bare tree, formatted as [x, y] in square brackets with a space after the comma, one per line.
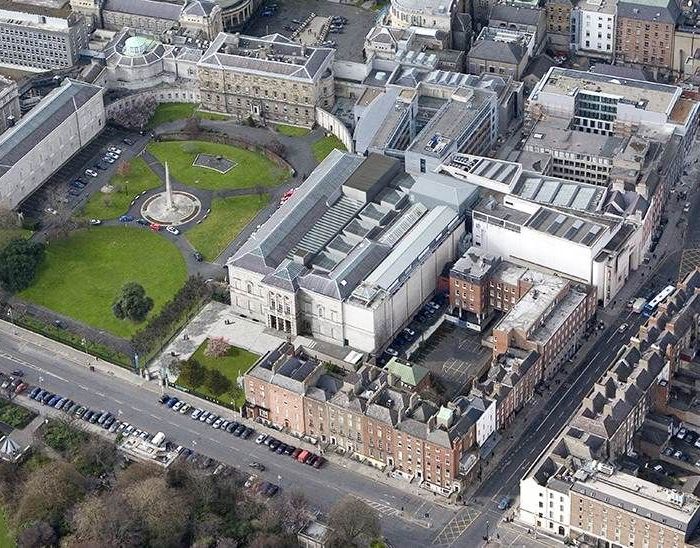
[106, 520]
[353, 523]
[48, 492]
[39, 533]
[292, 511]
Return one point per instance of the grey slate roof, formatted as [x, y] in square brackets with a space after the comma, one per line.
[502, 52]
[515, 14]
[146, 8]
[53, 110]
[664, 11]
[200, 8]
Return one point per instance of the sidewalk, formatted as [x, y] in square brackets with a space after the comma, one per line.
[72, 355]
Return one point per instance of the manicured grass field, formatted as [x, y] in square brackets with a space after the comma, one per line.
[82, 275]
[7, 234]
[6, 539]
[291, 131]
[324, 146]
[169, 112]
[252, 169]
[233, 365]
[227, 218]
[126, 188]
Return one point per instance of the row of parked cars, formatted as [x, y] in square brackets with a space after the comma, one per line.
[300, 455]
[423, 318]
[105, 419]
[218, 423]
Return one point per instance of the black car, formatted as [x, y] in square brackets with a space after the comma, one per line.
[274, 444]
[238, 431]
[271, 490]
[142, 222]
[109, 422]
[47, 397]
[127, 141]
[312, 458]
[18, 373]
[163, 398]
[231, 427]
[289, 450]
[280, 448]
[198, 256]
[88, 415]
[247, 433]
[100, 166]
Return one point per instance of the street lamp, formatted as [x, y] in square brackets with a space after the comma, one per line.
[486, 536]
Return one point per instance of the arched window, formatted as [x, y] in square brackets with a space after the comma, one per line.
[249, 287]
[320, 312]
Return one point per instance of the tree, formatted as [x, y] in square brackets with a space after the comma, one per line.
[123, 169]
[292, 511]
[192, 373]
[132, 303]
[48, 492]
[216, 382]
[39, 533]
[106, 520]
[217, 347]
[164, 511]
[353, 523]
[19, 261]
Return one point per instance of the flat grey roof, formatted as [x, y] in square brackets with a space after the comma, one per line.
[559, 192]
[562, 225]
[50, 113]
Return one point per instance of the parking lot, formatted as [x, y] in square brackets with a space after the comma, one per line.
[455, 356]
[61, 196]
[290, 14]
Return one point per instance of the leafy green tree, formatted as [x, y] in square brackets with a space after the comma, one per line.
[216, 382]
[132, 303]
[19, 261]
[192, 373]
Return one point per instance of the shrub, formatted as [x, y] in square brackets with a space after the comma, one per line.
[217, 347]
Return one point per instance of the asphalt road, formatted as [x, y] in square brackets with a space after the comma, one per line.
[139, 406]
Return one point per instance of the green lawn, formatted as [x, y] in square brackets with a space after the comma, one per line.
[227, 218]
[7, 234]
[291, 131]
[216, 116]
[252, 169]
[6, 539]
[236, 363]
[324, 146]
[169, 112]
[82, 275]
[126, 188]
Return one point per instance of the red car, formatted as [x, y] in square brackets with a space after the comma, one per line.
[155, 227]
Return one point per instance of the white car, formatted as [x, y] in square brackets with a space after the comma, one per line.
[95, 222]
[113, 155]
[260, 438]
[51, 210]
[115, 149]
[185, 408]
[91, 172]
[697, 443]
[681, 433]
[217, 423]
[173, 230]
[178, 405]
[622, 328]
[108, 159]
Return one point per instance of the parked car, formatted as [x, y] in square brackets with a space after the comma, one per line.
[231, 427]
[91, 172]
[247, 432]
[296, 453]
[681, 433]
[126, 219]
[257, 466]
[320, 461]
[211, 418]
[217, 423]
[198, 256]
[172, 230]
[127, 141]
[178, 405]
[95, 222]
[391, 351]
